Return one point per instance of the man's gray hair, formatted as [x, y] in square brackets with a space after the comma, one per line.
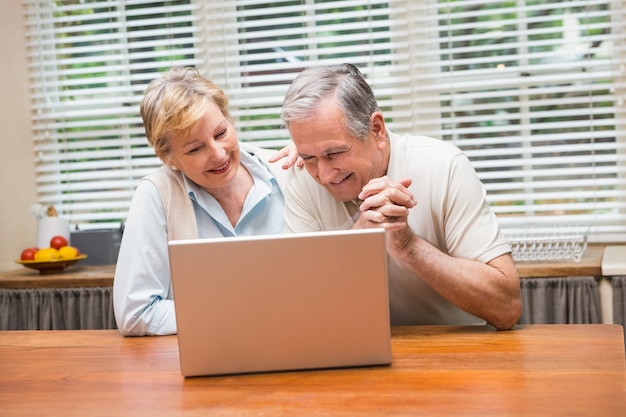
[343, 82]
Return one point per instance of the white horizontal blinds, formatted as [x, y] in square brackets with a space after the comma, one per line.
[268, 43]
[618, 41]
[526, 88]
[90, 62]
[532, 91]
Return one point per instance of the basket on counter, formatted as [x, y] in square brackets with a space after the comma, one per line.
[543, 243]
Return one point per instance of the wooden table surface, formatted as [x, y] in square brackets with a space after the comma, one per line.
[534, 370]
[73, 276]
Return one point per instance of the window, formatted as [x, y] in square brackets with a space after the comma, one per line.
[90, 62]
[530, 90]
[265, 45]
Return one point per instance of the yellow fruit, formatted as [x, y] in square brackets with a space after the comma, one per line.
[68, 252]
[47, 254]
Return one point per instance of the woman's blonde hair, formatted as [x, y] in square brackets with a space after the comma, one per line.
[175, 102]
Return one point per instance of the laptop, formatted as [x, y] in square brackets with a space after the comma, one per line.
[281, 302]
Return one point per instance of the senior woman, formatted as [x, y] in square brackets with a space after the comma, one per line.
[210, 185]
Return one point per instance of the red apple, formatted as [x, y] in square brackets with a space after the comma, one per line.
[57, 242]
[28, 254]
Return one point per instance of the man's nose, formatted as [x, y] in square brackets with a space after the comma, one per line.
[325, 171]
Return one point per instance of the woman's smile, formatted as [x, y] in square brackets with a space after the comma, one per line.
[220, 169]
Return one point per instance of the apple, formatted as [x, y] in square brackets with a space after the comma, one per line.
[28, 254]
[57, 242]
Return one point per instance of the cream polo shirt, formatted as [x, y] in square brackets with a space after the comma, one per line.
[452, 214]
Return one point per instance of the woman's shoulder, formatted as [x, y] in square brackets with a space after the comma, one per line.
[263, 156]
[165, 178]
[262, 153]
[163, 173]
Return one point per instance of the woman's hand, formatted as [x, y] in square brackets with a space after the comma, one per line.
[290, 154]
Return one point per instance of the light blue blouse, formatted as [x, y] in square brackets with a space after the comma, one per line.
[142, 295]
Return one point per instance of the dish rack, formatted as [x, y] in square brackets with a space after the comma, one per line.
[542, 243]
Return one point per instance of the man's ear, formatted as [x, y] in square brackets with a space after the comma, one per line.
[379, 128]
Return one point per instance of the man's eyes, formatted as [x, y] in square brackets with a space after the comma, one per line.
[329, 155]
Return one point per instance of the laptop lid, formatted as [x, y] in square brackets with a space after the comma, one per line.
[281, 302]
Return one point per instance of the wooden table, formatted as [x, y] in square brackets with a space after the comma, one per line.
[534, 370]
[73, 277]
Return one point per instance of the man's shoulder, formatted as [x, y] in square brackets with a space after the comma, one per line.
[408, 143]
[299, 178]
[419, 154]
[301, 186]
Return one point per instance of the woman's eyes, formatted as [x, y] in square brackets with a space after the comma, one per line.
[194, 150]
[221, 134]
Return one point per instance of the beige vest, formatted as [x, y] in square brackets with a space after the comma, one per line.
[179, 212]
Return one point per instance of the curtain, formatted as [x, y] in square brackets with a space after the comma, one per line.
[618, 284]
[568, 300]
[619, 299]
[57, 309]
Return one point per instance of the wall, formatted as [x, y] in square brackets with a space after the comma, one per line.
[17, 167]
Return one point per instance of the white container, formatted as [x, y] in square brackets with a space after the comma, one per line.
[49, 227]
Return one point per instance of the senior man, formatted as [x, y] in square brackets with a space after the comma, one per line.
[448, 261]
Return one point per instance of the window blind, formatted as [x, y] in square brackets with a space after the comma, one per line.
[90, 62]
[530, 90]
[265, 44]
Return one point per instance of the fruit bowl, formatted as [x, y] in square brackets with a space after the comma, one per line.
[51, 267]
